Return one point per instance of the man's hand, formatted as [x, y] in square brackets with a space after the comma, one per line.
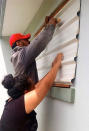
[52, 21]
[49, 20]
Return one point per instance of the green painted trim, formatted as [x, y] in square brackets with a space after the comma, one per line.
[46, 8]
[72, 95]
[2, 12]
[63, 94]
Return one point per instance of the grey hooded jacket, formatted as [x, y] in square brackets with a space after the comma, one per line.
[23, 58]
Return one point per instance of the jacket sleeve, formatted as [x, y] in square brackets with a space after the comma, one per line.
[38, 44]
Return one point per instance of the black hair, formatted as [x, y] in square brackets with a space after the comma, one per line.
[16, 85]
[14, 45]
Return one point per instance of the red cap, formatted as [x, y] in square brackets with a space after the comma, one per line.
[18, 36]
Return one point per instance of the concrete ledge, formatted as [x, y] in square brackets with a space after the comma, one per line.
[63, 94]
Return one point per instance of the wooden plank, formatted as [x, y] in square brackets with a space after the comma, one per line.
[64, 85]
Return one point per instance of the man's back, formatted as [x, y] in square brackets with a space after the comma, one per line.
[19, 66]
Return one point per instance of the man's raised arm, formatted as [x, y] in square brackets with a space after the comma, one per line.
[40, 42]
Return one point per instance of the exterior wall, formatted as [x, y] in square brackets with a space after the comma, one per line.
[5, 68]
[6, 49]
[54, 115]
[3, 94]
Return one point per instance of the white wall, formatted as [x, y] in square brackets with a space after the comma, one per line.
[3, 94]
[54, 115]
[5, 68]
[7, 52]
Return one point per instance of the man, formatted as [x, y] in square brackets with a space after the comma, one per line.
[24, 54]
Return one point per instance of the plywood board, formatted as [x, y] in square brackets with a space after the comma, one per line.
[65, 75]
[64, 41]
[69, 52]
[69, 11]
[62, 36]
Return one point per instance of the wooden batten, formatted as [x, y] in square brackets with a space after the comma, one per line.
[61, 85]
[52, 15]
[64, 85]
